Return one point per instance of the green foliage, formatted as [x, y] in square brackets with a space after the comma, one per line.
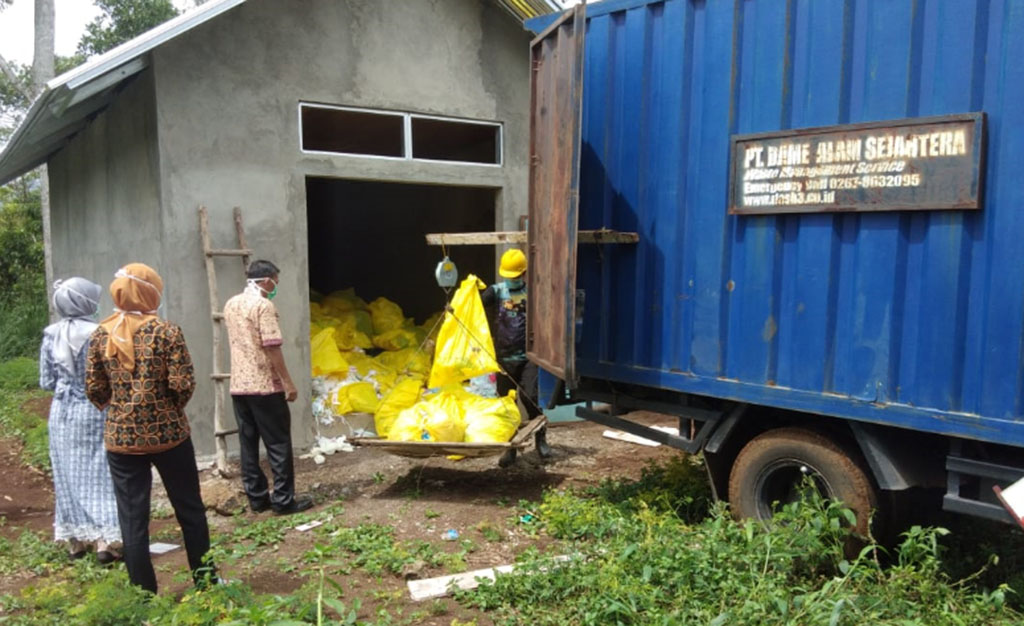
[122, 20]
[14, 98]
[637, 560]
[23, 307]
[18, 380]
[372, 548]
[19, 374]
[30, 552]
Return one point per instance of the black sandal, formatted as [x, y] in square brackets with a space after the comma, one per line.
[106, 557]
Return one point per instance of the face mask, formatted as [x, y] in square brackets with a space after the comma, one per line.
[515, 283]
[254, 285]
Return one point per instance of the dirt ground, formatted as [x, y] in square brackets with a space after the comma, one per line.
[420, 498]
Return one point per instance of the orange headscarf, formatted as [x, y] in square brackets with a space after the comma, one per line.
[136, 292]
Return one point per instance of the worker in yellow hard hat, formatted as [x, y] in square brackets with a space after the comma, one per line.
[508, 327]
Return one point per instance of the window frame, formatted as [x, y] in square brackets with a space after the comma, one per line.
[407, 137]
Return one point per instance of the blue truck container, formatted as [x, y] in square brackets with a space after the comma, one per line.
[886, 344]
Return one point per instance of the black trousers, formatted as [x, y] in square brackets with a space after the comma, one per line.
[267, 418]
[133, 480]
[523, 373]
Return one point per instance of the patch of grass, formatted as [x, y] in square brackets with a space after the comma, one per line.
[374, 549]
[490, 532]
[19, 374]
[249, 538]
[31, 552]
[161, 512]
[640, 557]
[22, 318]
[19, 380]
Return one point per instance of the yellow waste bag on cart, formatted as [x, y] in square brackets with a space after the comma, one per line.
[428, 420]
[464, 346]
[491, 419]
[326, 358]
[402, 396]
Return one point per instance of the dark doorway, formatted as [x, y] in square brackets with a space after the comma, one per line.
[370, 235]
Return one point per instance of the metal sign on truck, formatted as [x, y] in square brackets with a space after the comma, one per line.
[913, 164]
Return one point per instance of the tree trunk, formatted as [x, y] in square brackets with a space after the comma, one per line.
[42, 72]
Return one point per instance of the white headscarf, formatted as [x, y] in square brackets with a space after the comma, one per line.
[76, 300]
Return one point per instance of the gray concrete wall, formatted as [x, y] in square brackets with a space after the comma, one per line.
[227, 97]
[105, 192]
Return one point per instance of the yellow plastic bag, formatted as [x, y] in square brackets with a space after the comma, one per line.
[325, 356]
[347, 335]
[464, 347]
[345, 300]
[429, 420]
[362, 320]
[409, 360]
[384, 377]
[442, 419]
[399, 339]
[356, 398]
[408, 426]
[403, 395]
[360, 361]
[386, 315]
[490, 419]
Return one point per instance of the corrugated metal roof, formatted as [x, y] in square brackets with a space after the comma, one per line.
[528, 9]
[70, 100]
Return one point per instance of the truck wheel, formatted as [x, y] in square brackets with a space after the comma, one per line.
[771, 467]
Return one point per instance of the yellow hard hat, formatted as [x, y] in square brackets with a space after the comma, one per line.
[513, 263]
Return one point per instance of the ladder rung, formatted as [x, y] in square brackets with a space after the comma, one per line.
[225, 433]
[228, 252]
[217, 316]
[219, 376]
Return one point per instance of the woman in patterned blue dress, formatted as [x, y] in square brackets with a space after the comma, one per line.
[86, 510]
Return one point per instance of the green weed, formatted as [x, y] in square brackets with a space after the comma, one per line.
[31, 552]
[490, 532]
[19, 379]
[639, 557]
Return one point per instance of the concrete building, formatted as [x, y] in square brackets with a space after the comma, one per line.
[344, 129]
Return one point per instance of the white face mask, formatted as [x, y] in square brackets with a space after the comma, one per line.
[252, 285]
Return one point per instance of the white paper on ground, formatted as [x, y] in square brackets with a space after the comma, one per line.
[1013, 500]
[309, 525]
[630, 438]
[438, 587]
[162, 548]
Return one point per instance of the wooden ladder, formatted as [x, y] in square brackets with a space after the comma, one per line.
[218, 376]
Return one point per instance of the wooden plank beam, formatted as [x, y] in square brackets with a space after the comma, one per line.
[513, 236]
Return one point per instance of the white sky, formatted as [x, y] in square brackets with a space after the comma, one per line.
[16, 27]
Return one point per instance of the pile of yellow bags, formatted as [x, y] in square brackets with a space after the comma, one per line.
[393, 384]
[455, 415]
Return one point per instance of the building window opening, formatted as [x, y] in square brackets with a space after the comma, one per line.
[451, 140]
[353, 132]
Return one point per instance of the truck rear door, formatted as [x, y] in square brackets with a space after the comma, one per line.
[556, 102]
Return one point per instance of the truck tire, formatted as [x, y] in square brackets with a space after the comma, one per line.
[771, 466]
